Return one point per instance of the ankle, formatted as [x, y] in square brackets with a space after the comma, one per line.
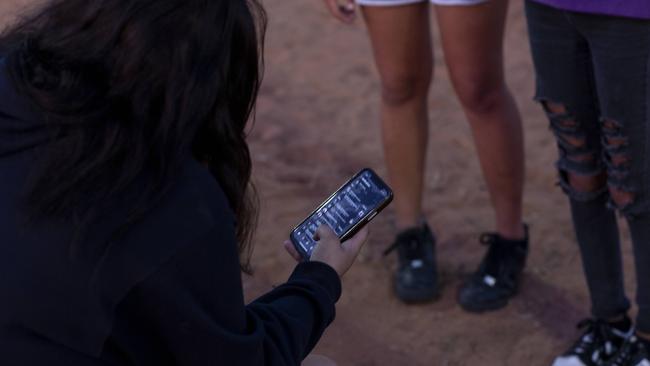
[410, 223]
[402, 225]
[621, 323]
[516, 232]
[645, 337]
[618, 318]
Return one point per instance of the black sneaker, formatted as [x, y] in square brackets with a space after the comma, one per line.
[632, 353]
[497, 278]
[416, 279]
[598, 343]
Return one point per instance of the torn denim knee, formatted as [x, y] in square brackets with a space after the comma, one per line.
[618, 161]
[576, 156]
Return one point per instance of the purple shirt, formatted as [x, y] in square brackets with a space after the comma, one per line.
[625, 8]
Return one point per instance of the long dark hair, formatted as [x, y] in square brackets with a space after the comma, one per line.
[135, 85]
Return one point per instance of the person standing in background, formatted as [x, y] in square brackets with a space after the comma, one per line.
[472, 39]
[592, 63]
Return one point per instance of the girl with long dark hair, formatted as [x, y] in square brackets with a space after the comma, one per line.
[124, 190]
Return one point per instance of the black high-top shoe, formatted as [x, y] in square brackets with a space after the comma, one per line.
[497, 278]
[416, 279]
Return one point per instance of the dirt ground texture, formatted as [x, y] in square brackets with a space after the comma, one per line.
[317, 124]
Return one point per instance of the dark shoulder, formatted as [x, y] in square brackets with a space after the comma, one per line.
[192, 205]
[203, 191]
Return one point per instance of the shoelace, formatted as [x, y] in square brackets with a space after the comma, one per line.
[412, 248]
[625, 354]
[594, 331]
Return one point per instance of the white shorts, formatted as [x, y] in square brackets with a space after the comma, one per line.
[405, 2]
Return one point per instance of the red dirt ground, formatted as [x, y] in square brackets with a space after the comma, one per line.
[317, 125]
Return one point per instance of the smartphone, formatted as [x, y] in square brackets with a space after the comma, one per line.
[346, 211]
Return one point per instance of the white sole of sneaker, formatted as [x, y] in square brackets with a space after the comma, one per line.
[568, 361]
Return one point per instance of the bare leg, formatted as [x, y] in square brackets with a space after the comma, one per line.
[472, 39]
[401, 42]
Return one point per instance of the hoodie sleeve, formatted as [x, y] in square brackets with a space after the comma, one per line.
[194, 306]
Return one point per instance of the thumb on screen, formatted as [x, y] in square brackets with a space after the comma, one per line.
[325, 233]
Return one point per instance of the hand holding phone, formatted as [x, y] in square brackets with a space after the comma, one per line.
[345, 212]
[331, 251]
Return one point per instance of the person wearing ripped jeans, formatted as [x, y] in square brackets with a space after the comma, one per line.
[592, 63]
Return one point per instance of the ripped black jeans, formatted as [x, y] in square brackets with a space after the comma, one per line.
[593, 80]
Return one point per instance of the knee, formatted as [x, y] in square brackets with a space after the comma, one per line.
[621, 197]
[480, 95]
[618, 161]
[587, 184]
[582, 173]
[584, 188]
[406, 88]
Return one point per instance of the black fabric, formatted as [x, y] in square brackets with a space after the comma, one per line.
[639, 230]
[168, 293]
[597, 234]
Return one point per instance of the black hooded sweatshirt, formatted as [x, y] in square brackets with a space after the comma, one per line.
[167, 293]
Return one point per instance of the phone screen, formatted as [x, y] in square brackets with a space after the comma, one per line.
[359, 199]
